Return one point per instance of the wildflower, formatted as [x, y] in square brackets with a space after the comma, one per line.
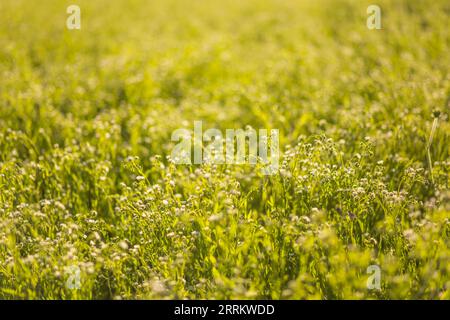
[306, 219]
[214, 218]
[123, 245]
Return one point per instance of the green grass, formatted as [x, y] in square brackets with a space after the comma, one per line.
[364, 138]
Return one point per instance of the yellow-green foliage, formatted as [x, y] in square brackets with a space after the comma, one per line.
[86, 118]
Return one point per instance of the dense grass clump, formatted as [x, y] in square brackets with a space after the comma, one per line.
[86, 179]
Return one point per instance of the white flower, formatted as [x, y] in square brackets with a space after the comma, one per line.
[123, 245]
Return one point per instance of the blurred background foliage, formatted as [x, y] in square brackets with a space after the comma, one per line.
[85, 123]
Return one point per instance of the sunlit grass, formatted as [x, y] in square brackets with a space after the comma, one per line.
[86, 118]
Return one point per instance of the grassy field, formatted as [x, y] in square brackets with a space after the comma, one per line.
[92, 207]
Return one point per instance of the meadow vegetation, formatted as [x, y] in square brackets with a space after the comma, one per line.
[86, 180]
